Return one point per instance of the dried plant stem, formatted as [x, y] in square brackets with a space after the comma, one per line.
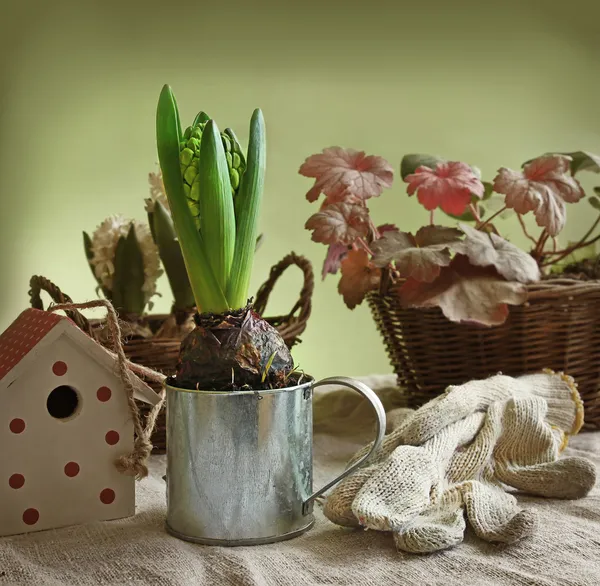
[581, 244]
[475, 212]
[525, 230]
[570, 250]
[492, 217]
[539, 248]
[376, 233]
[431, 216]
[364, 245]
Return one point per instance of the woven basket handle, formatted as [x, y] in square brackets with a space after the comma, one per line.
[304, 303]
[37, 284]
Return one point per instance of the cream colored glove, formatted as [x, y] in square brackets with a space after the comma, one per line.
[413, 494]
[565, 409]
[421, 492]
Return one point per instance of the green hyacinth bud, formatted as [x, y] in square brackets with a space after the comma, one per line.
[189, 153]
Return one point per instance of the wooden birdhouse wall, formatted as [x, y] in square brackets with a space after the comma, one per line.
[63, 423]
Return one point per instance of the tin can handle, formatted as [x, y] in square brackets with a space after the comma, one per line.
[368, 394]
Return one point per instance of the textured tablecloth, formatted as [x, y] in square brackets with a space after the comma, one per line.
[565, 549]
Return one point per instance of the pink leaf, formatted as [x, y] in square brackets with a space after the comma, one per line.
[335, 254]
[359, 276]
[449, 186]
[340, 173]
[543, 188]
[487, 249]
[466, 294]
[419, 257]
[339, 223]
[437, 235]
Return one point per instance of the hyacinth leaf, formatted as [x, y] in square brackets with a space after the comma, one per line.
[260, 239]
[207, 291]
[410, 163]
[128, 278]
[247, 212]
[116, 295]
[217, 216]
[87, 245]
[89, 254]
[201, 118]
[165, 237]
[151, 224]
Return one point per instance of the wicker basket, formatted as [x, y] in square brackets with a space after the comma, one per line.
[161, 354]
[558, 328]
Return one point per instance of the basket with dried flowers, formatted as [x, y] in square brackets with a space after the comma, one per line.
[440, 297]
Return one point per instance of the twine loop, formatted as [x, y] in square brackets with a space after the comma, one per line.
[135, 463]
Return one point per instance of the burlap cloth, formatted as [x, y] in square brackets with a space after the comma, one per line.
[565, 549]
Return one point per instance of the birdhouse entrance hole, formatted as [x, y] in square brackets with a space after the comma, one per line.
[62, 402]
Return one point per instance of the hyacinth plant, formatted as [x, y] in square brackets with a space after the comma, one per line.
[165, 237]
[125, 263]
[467, 270]
[214, 194]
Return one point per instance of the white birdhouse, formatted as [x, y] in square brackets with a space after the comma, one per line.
[64, 421]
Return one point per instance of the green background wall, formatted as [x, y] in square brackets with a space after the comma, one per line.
[489, 83]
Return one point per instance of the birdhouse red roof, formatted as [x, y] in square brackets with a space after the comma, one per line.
[34, 327]
[23, 335]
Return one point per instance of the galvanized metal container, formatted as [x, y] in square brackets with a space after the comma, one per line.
[239, 464]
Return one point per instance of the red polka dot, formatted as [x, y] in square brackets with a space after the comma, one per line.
[72, 469]
[103, 394]
[59, 368]
[31, 516]
[107, 496]
[16, 481]
[17, 426]
[112, 438]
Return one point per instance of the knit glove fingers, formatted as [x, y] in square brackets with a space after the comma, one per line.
[494, 514]
[398, 491]
[456, 403]
[338, 505]
[439, 527]
[565, 407]
[527, 454]
[474, 459]
[527, 438]
[567, 478]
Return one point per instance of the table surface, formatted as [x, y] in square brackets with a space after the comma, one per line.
[565, 549]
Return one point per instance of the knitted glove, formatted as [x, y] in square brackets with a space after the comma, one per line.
[565, 409]
[527, 454]
[516, 446]
[414, 493]
[421, 492]
[387, 495]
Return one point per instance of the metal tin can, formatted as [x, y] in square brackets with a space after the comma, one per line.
[239, 464]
